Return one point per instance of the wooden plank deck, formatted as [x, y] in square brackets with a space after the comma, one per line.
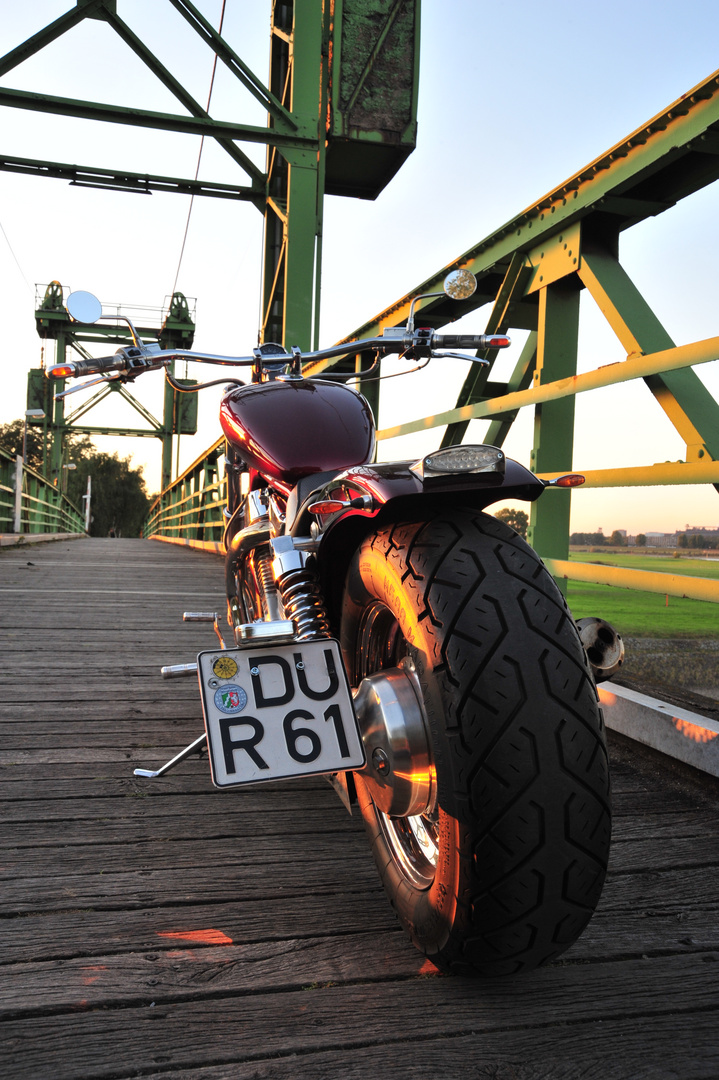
[164, 929]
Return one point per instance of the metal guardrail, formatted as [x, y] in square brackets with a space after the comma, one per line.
[30, 504]
[190, 510]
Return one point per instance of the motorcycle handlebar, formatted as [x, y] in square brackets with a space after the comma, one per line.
[421, 342]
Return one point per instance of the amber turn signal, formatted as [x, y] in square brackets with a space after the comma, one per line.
[570, 480]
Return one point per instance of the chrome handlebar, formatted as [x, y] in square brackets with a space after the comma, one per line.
[417, 344]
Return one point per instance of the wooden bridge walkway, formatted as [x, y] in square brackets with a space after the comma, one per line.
[165, 929]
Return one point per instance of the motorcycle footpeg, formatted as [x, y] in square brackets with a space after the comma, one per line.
[206, 616]
[178, 671]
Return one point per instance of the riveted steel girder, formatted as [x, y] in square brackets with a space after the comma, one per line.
[569, 240]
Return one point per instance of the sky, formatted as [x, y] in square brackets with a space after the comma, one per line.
[513, 99]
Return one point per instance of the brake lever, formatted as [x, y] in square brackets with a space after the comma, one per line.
[86, 385]
[460, 356]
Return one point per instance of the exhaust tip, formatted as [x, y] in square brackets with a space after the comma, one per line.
[603, 645]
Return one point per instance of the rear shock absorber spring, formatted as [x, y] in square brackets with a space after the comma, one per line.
[303, 603]
[266, 580]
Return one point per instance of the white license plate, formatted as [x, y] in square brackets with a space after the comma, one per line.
[278, 711]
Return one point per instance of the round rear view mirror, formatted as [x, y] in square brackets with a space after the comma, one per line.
[460, 284]
[84, 307]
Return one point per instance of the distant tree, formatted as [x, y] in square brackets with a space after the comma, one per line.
[617, 539]
[641, 540]
[588, 539]
[11, 438]
[119, 500]
[516, 519]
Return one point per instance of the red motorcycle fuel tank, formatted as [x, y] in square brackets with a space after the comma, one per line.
[287, 430]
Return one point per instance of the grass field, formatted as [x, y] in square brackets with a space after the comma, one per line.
[645, 614]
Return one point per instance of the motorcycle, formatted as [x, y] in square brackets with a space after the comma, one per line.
[389, 633]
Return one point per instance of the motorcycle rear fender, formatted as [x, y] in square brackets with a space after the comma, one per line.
[393, 493]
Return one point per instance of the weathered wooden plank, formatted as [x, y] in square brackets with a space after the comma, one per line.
[90, 933]
[279, 798]
[611, 935]
[226, 969]
[43, 781]
[213, 824]
[155, 740]
[240, 852]
[72, 800]
[186, 1033]
[192, 881]
[336, 840]
[186, 972]
[656, 1049]
[85, 822]
[665, 891]
[145, 702]
[96, 777]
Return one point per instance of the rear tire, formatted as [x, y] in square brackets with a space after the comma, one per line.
[504, 869]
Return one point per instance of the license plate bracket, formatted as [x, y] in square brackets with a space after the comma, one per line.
[277, 711]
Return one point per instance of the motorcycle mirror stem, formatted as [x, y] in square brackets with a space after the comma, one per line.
[84, 307]
[458, 285]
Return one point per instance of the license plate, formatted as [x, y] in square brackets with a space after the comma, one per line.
[278, 711]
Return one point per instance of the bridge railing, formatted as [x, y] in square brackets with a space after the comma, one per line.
[30, 504]
[190, 510]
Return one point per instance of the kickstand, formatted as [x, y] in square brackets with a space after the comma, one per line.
[195, 747]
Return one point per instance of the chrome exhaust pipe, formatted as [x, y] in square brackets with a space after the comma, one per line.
[603, 645]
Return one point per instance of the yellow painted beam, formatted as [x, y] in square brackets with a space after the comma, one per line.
[695, 588]
[638, 367]
[663, 473]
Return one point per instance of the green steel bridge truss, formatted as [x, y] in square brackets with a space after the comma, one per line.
[530, 271]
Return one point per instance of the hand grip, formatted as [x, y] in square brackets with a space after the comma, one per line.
[99, 364]
[470, 341]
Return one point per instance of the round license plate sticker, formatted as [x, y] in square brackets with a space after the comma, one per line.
[225, 667]
[230, 698]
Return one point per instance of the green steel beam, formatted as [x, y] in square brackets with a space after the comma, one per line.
[293, 216]
[511, 290]
[178, 90]
[232, 61]
[557, 336]
[682, 395]
[520, 379]
[106, 429]
[673, 155]
[44, 37]
[116, 114]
